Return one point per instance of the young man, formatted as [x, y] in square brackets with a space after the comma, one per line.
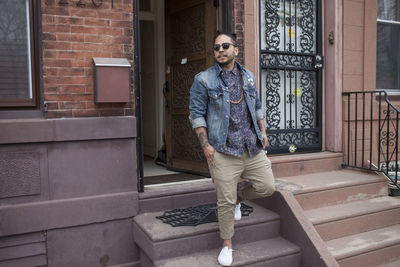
[227, 116]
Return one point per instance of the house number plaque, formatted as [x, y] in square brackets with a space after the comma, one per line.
[82, 3]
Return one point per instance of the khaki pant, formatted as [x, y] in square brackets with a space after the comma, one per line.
[226, 171]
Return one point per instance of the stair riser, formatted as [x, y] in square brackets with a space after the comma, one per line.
[293, 260]
[285, 169]
[372, 258]
[341, 195]
[359, 224]
[177, 201]
[190, 244]
[288, 261]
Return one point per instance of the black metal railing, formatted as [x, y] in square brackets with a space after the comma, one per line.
[372, 134]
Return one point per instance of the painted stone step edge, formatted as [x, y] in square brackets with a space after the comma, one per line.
[351, 209]
[360, 247]
[270, 252]
[158, 231]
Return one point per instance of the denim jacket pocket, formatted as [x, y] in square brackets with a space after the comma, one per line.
[216, 98]
[215, 94]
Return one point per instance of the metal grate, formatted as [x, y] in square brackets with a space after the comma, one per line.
[291, 64]
[373, 121]
[193, 216]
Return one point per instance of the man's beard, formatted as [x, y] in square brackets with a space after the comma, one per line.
[229, 61]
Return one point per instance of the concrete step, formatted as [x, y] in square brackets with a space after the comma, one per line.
[366, 249]
[171, 196]
[354, 217]
[159, 240]
[305, 163]
[334, 187]
[271, 252]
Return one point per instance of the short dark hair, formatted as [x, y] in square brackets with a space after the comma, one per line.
[230, 35]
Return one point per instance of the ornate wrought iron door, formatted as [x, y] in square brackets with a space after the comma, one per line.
[291, 76]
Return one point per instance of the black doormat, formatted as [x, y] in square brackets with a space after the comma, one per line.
[193, 216]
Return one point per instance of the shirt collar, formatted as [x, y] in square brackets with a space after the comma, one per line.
[235, 70]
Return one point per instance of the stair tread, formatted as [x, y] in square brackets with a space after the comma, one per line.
[243, 254]
[351, 209]
[157, 231]
[320, 181]
[351, 245]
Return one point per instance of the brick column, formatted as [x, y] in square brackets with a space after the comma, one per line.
[238, 26]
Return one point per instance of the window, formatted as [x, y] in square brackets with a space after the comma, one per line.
[17, 82]
[388, 45]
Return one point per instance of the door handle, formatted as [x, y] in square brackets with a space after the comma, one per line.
[318, 62]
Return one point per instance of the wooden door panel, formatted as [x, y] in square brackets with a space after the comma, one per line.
[190, 27]
[187, 31]
[182, 79]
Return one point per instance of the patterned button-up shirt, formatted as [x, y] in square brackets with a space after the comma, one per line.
[241, 130]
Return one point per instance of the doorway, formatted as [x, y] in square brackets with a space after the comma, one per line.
[175, 44]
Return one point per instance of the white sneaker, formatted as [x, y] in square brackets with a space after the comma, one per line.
[238, 213]
[225, 257]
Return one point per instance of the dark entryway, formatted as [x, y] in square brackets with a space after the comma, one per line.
[190, 28]
[175, 40]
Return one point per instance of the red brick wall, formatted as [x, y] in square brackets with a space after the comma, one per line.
[238, 26]
[72, 36]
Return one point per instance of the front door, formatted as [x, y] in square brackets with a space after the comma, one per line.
[291, 74]
[190, 28]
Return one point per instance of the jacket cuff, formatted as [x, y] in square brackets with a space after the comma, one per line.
[259, 114]
[199, 122]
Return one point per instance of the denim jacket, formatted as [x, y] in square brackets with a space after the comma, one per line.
[210, 107]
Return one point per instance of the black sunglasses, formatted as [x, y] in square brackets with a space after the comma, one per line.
[225, 46]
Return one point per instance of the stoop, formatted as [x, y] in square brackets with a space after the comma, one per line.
[353, 214]
[257, 242]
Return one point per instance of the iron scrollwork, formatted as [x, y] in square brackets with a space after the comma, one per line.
[307, 21]
[388, 137]
[273, 99]
[286, 61]
[388, 129]
[282, 140]
[271, 24]
[307, 117]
